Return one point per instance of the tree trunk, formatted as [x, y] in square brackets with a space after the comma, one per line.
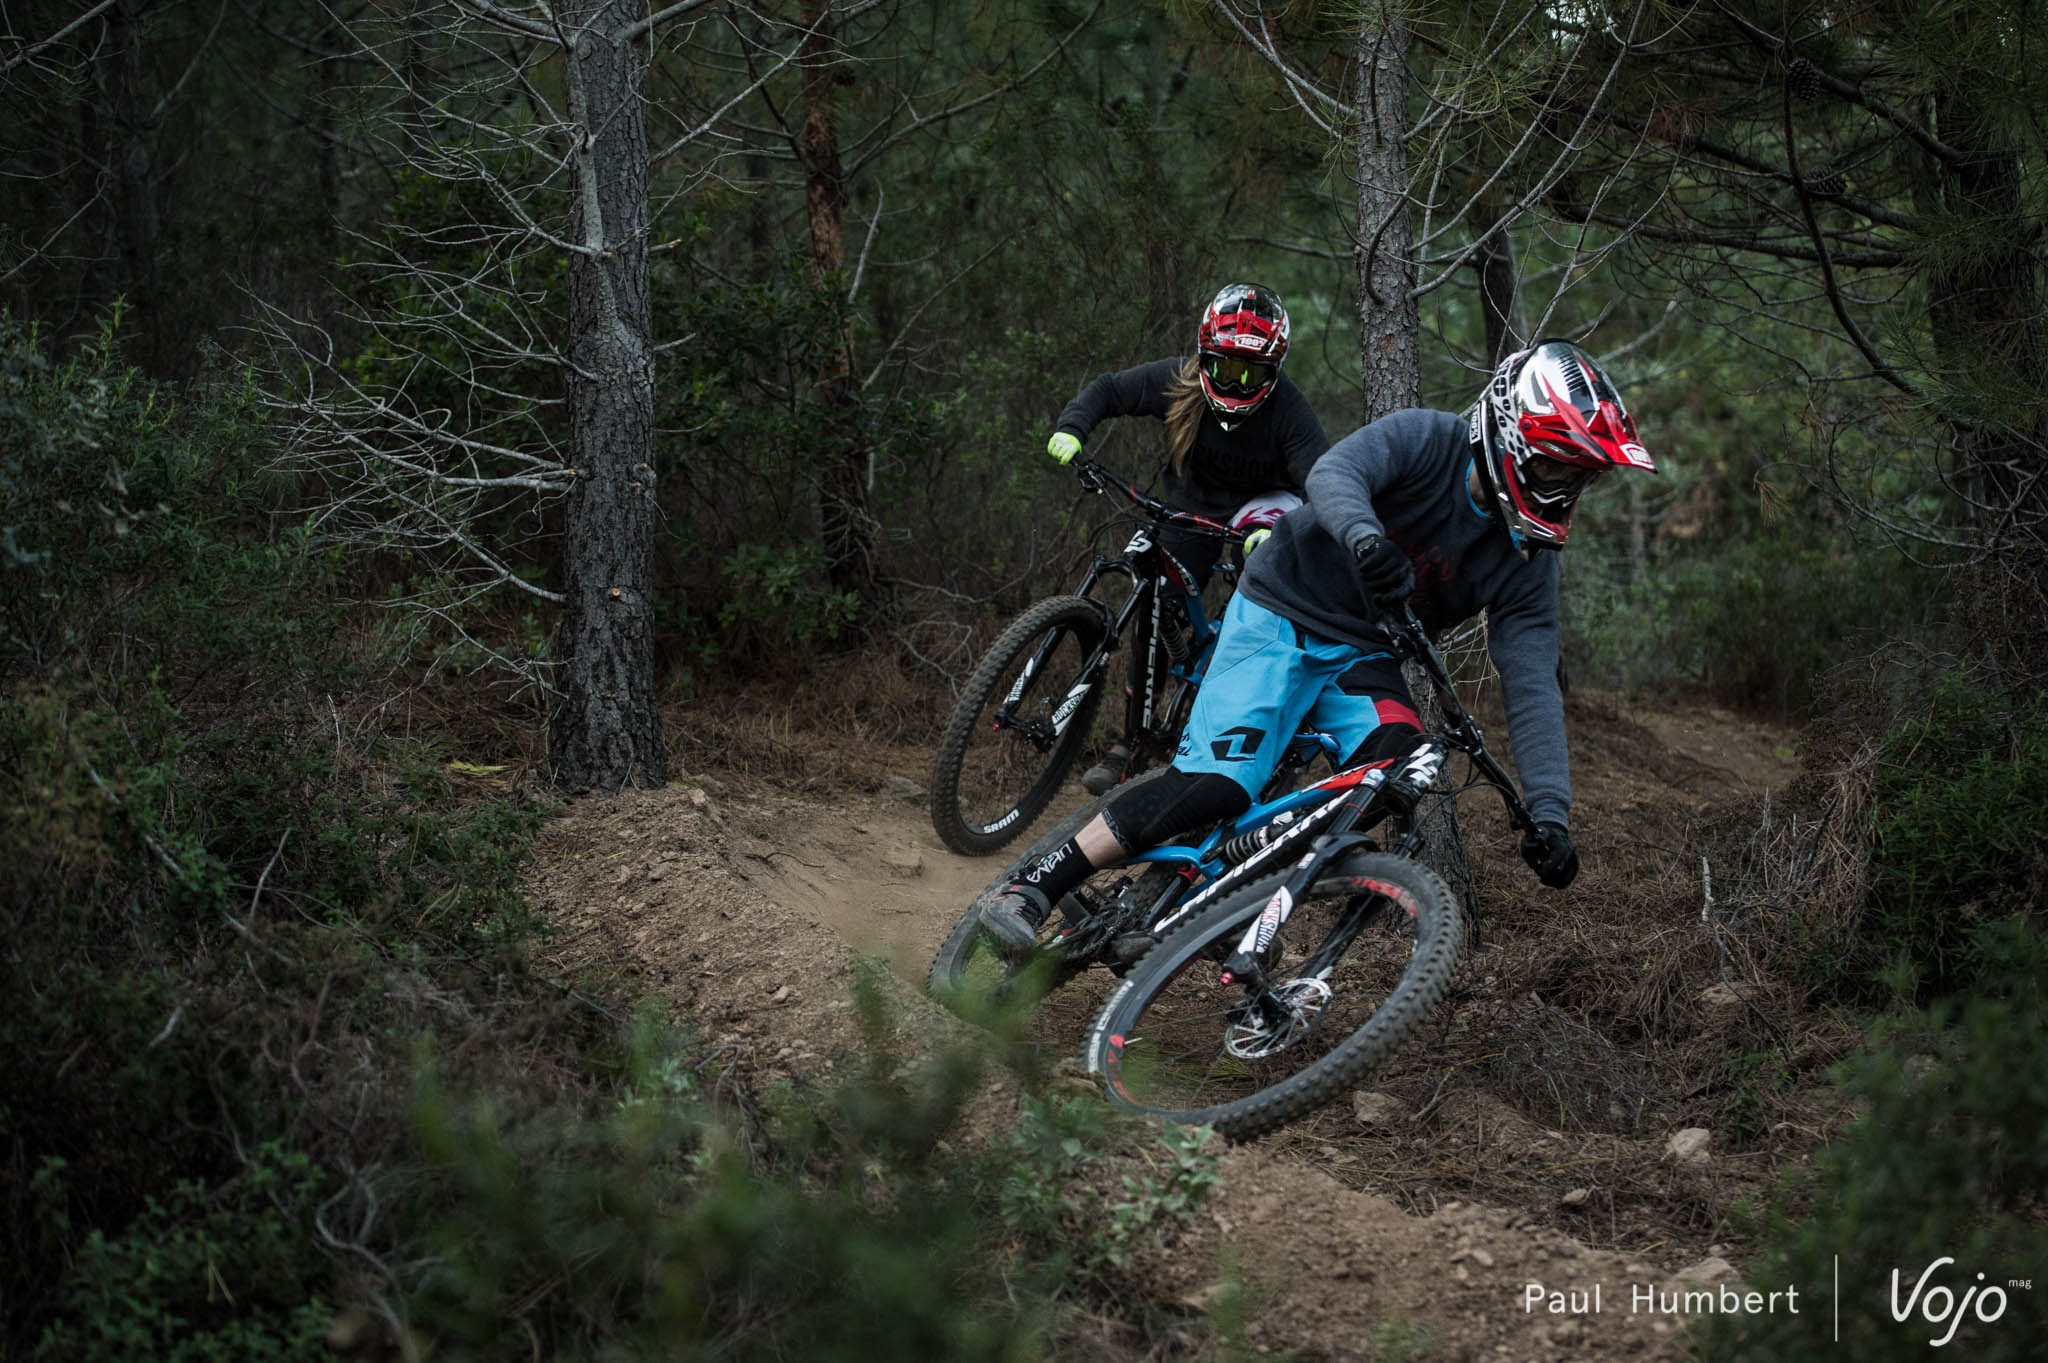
[131, 165]
[846, 521]
[1983, 301]
[606, 729]
[1389, 358]
[1500, 293]
[1388, 324]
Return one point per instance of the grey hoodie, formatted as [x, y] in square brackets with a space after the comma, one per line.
[1404, 477]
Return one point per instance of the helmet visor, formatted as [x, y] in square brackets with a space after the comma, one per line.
[1237, 376]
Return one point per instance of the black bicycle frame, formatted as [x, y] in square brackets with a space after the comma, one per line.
[1146, 564]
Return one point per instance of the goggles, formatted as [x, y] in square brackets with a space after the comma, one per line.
[1237, 376]
[1555, 477]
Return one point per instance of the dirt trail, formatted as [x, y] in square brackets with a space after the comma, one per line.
[1326, 1218]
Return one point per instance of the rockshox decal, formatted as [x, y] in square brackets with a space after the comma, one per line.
[1067, 707]
[1023, 680]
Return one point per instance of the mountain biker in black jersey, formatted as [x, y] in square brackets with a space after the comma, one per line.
[1236, 427]
[1443, 511]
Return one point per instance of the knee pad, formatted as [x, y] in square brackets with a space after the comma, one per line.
[1389, 741]
[1149, 814]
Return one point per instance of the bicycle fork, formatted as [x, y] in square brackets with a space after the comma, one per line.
[1043, 735]
[1272, 1016]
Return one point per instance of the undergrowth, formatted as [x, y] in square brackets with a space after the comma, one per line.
[279, 1078]
[1940, 1179]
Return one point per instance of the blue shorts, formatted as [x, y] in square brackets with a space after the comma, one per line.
[1267, 677]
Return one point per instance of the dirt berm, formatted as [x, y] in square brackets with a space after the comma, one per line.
[1514, 1159]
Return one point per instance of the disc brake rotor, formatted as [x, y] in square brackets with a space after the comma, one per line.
[1255, 1036]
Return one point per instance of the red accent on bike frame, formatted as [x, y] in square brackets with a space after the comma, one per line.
[1351, 776]
[1394, 712]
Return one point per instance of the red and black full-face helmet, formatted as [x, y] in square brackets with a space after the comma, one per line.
[1549, 424]
[1238, 350]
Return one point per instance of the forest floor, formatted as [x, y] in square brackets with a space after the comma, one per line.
[1520, 1147]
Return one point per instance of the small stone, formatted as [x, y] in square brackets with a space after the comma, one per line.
[1690, 1145]
[1711, 1269]
[1721, 996]
[1378, 1111]
[1575, 1198]
[1481, 1258]
[904, 861]
[903, 788]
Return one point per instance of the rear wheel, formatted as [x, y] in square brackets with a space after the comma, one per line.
[1018, 726]
[1178, 1040]
[970, 974]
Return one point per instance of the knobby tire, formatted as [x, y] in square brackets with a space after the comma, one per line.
[1158, 1043]
[970, 975]
[989, 785]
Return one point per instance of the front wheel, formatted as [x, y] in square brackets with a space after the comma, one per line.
[1019, 725]
[1363, 956]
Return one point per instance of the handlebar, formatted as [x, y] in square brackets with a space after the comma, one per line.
[1413, 641]
[1098, 479]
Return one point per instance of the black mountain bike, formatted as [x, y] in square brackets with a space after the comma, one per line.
[1025, 714]
[1266, 966]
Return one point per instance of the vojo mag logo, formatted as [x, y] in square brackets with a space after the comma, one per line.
[1940, 1307]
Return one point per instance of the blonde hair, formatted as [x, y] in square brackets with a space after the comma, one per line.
[1184, 404]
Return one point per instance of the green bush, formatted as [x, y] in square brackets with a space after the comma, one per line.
[204, 1275]
[201, 876]
[837, 1225]
[1960, 832]
[1753, 622]
[1946, 1162]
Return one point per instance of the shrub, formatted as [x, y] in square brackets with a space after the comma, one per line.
[202, 878]
[1945, 1163]
[1960, 811]
[1753, 623]
[204, 1275]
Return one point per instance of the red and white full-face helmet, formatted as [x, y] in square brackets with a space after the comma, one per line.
[1549, 424]
[1238, 350]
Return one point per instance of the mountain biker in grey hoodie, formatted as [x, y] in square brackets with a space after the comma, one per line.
[1445, 512]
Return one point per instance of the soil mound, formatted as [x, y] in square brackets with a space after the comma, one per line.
[1512, 1160]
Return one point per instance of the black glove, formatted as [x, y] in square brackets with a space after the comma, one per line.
[1548, 849]
[1388, 575]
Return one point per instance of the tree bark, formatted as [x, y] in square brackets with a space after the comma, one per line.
[1500, 293]
[1388, 322]
[606, 729]
[1983, 310]
[846, 521]
[131, 164]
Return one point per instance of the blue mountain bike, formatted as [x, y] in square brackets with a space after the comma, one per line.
[1268, 965]
[1024, 717]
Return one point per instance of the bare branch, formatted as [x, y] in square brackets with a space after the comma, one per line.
[30, 51]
